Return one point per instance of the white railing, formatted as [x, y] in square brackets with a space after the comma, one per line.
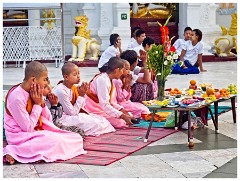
[27, 43]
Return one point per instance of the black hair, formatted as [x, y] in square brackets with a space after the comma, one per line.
[139, 33]
[134, 29]
[147, 41]
[113, 38]
[187, 29]
[114, 63]
[130, 56]
[34, 69]
[198, 33]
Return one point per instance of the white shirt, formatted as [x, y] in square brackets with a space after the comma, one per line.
[132, 44]
[64, 95]
[192, 52]
[138, 48]
[178, 44]
[111, 51]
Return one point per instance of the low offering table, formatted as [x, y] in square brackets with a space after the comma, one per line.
[189, 108]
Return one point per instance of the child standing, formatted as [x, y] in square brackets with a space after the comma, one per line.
[72, 99]
[114, 50]
[123, 90]
[99, 97]
[30, 132]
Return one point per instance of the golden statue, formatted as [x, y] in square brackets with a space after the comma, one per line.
[14, 14]
[84, 47]
[228, 40]
[49, 24]
[152, 10]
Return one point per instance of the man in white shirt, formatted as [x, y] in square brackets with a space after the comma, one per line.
[145, 46]
[114, 50]
[140, 36]
[133, 40]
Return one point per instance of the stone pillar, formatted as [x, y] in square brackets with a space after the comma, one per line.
[90, 10]
[106, 24]
[121, 24]
[34, 14]
[204, 19]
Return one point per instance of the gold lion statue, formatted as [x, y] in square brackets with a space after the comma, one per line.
[228, 40]
[84, 47]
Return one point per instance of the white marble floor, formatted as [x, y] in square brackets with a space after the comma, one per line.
[184, 164]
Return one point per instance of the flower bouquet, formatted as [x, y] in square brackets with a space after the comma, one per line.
[161, 59]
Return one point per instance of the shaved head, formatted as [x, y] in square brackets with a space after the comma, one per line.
[34, 69]
[67, 68]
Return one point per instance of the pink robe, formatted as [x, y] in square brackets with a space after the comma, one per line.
[101, 86]
[92, 124]
[123, 99]
[27, 145]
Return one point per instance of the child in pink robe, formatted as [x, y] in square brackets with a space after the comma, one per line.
[33, 136]
[99, 97]
[72, 100]
[123, 90]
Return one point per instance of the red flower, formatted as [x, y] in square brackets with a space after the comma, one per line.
[164, 30]
[173, 49]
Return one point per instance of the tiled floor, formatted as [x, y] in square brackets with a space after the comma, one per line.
[213, 156]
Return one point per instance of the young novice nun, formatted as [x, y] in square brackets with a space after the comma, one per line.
[123, 90]
[30, 132]
[72, 99]
[56, 110]
[141, 86]
[101, 92]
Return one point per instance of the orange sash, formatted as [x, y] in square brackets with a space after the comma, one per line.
[94, 97]
[29, 107]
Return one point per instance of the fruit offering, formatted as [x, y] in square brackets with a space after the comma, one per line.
[193, 85]
[189, 101]
[224, 93]
[175, 91]
[155, 102]
[232, 89]
[210, 91]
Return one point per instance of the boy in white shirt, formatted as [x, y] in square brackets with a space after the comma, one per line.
[180, 42]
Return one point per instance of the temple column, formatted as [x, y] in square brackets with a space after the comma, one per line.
[90, 10]
[34, 14]
[106, 24]
[121, 23]
[203, 17]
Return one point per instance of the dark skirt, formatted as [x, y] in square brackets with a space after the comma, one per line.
[141, 92]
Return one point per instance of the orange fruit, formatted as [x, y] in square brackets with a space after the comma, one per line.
[209, 91]
[193, 82]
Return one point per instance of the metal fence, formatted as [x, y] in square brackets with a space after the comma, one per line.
[27, 43]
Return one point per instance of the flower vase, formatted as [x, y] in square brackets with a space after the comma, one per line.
[161, 89]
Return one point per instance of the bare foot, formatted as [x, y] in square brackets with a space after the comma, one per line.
[10, 159]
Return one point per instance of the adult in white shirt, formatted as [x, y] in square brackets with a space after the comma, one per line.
[180, 42]
[114, 50]
[133, 40]
[191, 55]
